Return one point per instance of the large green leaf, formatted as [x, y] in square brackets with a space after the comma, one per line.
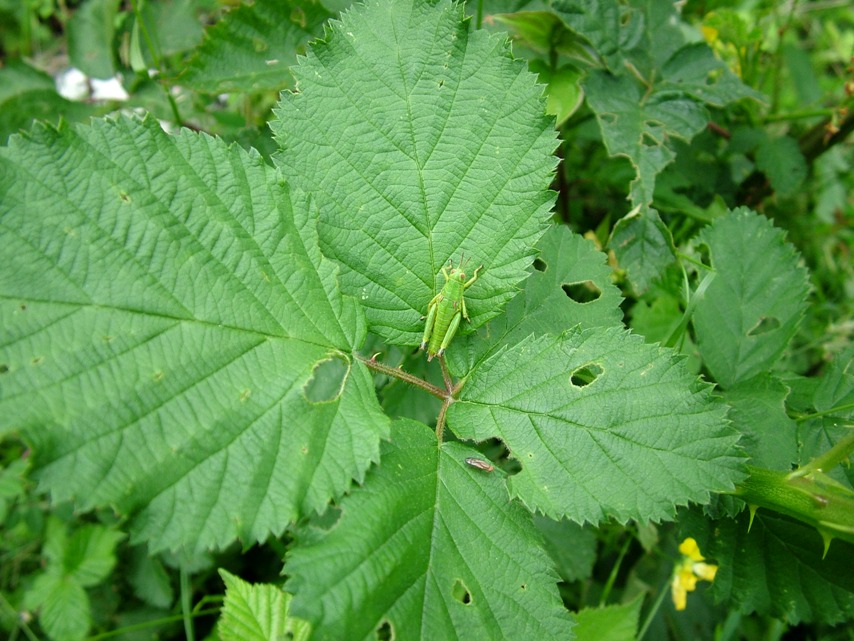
[251, 48]
[603, 425]
[430, 548]
[164, 307]
[754, 305]
[569, 285]
[422, 140]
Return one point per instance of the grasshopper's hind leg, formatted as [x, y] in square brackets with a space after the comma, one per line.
[449, 335]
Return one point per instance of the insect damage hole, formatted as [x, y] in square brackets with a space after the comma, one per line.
[584, 291]
[385, 631]
[765, 325]
[461, 593]
[327, 380]
[540, 265]
[586, 374]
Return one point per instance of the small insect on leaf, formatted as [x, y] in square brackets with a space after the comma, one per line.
[480, 464]
[446, 310]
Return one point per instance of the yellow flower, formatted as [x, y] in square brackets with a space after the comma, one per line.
[690, 569]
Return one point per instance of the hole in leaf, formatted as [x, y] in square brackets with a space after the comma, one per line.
[23, 307]
[4, 368]
[764, 326]
[460, 592]
[385, 632]
[540, 265]
[704, 254]
[582, 292]
[124, 197]
[586, 374]
[38, 360]
[327, 380]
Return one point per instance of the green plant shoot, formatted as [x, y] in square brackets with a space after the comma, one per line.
[446, 310]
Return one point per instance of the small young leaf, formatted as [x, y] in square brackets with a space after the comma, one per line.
[754, 305]
[609, 623]
[165, 306]
[643, 245]
[90, 555]
[430, 548]
[257, 613]
[64, 609]
[422, 140]
[603, 425]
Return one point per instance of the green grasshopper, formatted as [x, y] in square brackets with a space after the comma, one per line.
[446, 310]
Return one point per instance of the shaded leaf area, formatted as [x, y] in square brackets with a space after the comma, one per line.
[759, 413]
[754, 305]
[429, 548]
[164, 306]
[28, 94]
[91, 31]
[257, 613]
[423, 141]
[833, 396]
[252, 46]
[603, 425]
[652, 85]
[569, 284]
[776, 566]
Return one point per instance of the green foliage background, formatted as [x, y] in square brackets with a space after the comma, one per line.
[214, 420]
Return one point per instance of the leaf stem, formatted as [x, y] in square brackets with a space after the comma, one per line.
[831, 458]
[186, 609]
[138, 627]
[653, 611]
[155, 56]
[612, 577]
[446, 375]
[396, 372]
[440, 422]
[800, 418]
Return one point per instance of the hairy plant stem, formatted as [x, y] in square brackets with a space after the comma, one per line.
[447, 395]
[396, 372]
[814, 499]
